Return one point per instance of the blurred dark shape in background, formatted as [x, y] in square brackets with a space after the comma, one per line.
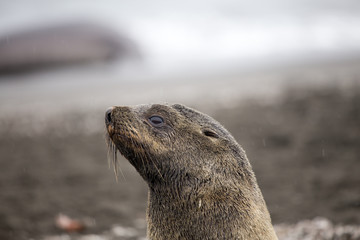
[59, 45]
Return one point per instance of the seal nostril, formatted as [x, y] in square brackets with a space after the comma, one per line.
[108, 115]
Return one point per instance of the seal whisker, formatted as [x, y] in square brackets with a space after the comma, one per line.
[110, 146]
[110, 151]
[112, 157]
[116, 165]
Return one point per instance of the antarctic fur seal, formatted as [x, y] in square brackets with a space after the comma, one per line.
[201, 184]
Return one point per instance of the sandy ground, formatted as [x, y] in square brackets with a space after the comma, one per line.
[303, 143]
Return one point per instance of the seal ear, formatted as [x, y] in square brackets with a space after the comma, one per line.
[210, 133]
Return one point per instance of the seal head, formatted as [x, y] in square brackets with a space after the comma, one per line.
[201, 185]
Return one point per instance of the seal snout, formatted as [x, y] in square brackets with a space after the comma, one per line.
[108, 117]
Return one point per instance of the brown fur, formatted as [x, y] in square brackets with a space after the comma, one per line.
[201, 184]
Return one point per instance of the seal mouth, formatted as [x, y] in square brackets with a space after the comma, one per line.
[112, 151]
[108, 122]
[110, 131]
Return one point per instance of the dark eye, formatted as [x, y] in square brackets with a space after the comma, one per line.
[156, 121]
[210, 134]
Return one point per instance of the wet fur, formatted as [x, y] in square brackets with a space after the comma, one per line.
[201, 185]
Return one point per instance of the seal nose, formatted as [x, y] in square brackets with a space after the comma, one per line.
[108, 115]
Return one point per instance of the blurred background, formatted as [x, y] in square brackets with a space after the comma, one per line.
[282, 76]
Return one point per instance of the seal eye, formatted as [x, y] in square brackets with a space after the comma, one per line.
[156, 121]
[210, 134]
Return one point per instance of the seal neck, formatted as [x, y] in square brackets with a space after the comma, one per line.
[197, 216]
